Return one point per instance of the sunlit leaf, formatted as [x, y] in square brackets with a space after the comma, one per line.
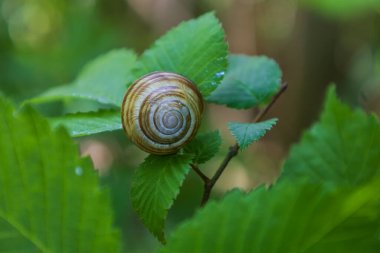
[195, 49]
[50, 200]
[83, 124]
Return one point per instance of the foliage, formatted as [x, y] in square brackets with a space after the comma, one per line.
[246, 133]
[327, 199]
[195, 49]
[291, 217]
[250, 81]
[83, 124]
[156, 184]
[55, 203]
[351, 154]
[317, 206]
[102, 80]
[204, 146]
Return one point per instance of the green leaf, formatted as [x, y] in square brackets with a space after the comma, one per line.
[204, 146]
[154, 187]
[83, 124]
[329, 200]
[103, 80]
[50, 200]
[195, 49]
[290, 217]
[250, 81]
[343, 8]
[342, 148]
[246, 133]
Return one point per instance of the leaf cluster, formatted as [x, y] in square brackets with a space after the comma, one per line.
[197, 50]
[326, 200]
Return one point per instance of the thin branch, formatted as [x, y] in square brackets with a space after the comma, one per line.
[234, 150]
[200, 173]
[261, 115]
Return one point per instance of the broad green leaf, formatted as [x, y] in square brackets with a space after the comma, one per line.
[247, 133]
[250, 81]
[50, 200]
[344, 147]
[204, 146]
[343, 8]
[83, 124]
[330, 213]
[154, 187]
[195, 49]
[290, 217]
[103, 80]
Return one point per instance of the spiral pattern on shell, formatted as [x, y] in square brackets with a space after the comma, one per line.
[161, 112]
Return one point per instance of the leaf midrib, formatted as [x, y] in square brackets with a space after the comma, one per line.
[340, 137]
[24, 232]
[13, 223]
[323, 235]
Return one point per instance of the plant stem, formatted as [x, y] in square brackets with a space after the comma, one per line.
[261, 115]
[232, 152]
[200, 173]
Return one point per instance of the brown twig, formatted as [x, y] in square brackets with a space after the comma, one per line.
[261, 115]
[200, 173]
[233, 151]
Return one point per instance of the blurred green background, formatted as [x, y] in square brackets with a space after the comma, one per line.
[45, 43]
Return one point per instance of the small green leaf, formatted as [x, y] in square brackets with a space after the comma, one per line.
[195, 49]
[250, 81]
[50, 199]
[342, 148]
[103, 80]
[83, 124]
[292, 216]
[155, 185]
[204, 146]
[246, 133]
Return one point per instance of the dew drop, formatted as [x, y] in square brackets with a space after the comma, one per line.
[219, 74]
[79, 171]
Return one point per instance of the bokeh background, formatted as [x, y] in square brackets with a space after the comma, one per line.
[45, 43]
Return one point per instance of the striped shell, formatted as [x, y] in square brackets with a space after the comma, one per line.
[161, 112]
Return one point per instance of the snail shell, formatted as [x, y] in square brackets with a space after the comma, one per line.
[161, 112]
